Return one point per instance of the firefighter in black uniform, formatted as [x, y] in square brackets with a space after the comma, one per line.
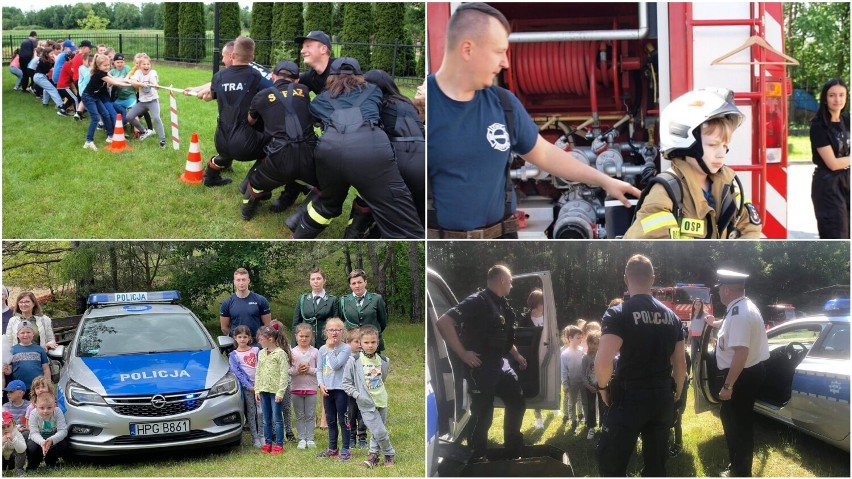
[354, 151]
[479, 330]
[286, 114]
[649, 337]
[316, 53]
[402, 123]
[233, 89]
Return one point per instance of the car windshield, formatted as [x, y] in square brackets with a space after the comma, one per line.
[686, 295]
[135, 334]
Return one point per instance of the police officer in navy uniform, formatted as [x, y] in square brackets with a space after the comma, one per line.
[233, 89]
[286, 115]
[741, 349]
[649, 338]
[480, 331]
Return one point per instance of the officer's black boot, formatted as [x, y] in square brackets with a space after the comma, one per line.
[360, 221]
[292, 221]
[288, 197]
[213, 174]
[307, 229]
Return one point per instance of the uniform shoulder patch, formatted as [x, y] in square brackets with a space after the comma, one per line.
[735, 311]
[753, 215]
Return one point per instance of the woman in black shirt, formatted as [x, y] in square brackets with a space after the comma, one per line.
[830, 148]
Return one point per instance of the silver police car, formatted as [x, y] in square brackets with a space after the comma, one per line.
[143, 373]
[807, 375]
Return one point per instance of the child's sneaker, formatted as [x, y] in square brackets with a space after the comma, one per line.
[311, 444]
[345, 455]
[332, 453]
[257, 443]
[389, 460]
[277, 450]
[372, 460]
[362, 444]
[90, 145]
[162, 144]
[302, 444]
[266, 448]
[109, 140]
[145, 134]
[77, 116]
[590, 434]
[100, 126]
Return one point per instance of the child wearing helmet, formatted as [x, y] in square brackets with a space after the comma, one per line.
[707, 197]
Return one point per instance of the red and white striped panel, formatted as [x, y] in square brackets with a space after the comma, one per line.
[775, 223]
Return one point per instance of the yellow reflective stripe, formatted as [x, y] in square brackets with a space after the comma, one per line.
[658, 220]
[318, 218]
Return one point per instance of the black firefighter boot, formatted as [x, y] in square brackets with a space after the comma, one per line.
[213, 174]
[251, 200]
[288, 197]
[361, 221]
[293, 220]
[307, 229]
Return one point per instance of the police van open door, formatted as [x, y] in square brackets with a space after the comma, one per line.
[707, 381]
[449, 399]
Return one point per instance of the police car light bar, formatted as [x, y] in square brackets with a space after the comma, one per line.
[99, 299]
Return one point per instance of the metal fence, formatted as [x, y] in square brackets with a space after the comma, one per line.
[403, 66]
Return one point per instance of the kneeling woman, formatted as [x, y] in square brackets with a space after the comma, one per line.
[354, 151]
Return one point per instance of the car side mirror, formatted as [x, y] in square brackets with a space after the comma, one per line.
[56, 353]
[226, 342]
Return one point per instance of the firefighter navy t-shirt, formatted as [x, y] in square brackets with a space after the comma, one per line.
[468, 150]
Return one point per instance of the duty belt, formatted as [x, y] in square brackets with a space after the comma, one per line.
[506, 226]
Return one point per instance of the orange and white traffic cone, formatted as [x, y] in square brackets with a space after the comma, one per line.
[119, 143]
[193, 172]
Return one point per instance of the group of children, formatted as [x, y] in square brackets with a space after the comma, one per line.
[346, 371]
[34, 427]
[579, 383]
[33, 417]
[102, 85]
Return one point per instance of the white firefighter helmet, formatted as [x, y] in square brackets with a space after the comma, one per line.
[682, 119]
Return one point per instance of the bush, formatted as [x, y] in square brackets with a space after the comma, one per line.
[171, 13]
[357, 28]
[191, 30]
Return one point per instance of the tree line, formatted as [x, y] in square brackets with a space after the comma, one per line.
[817, 35]
[587, 275]
[203, 271]
[367, 30]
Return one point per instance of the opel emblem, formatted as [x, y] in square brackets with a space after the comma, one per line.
[158, 401]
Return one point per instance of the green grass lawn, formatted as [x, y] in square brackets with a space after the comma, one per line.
[405, 425]
[799, 148]
[53, 188]
[779, 451]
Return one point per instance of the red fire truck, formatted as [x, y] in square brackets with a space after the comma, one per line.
[680, 296]
[595, 77]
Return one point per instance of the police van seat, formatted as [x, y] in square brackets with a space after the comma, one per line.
[528, 341]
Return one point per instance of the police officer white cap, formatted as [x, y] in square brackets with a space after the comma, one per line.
[726, 276]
